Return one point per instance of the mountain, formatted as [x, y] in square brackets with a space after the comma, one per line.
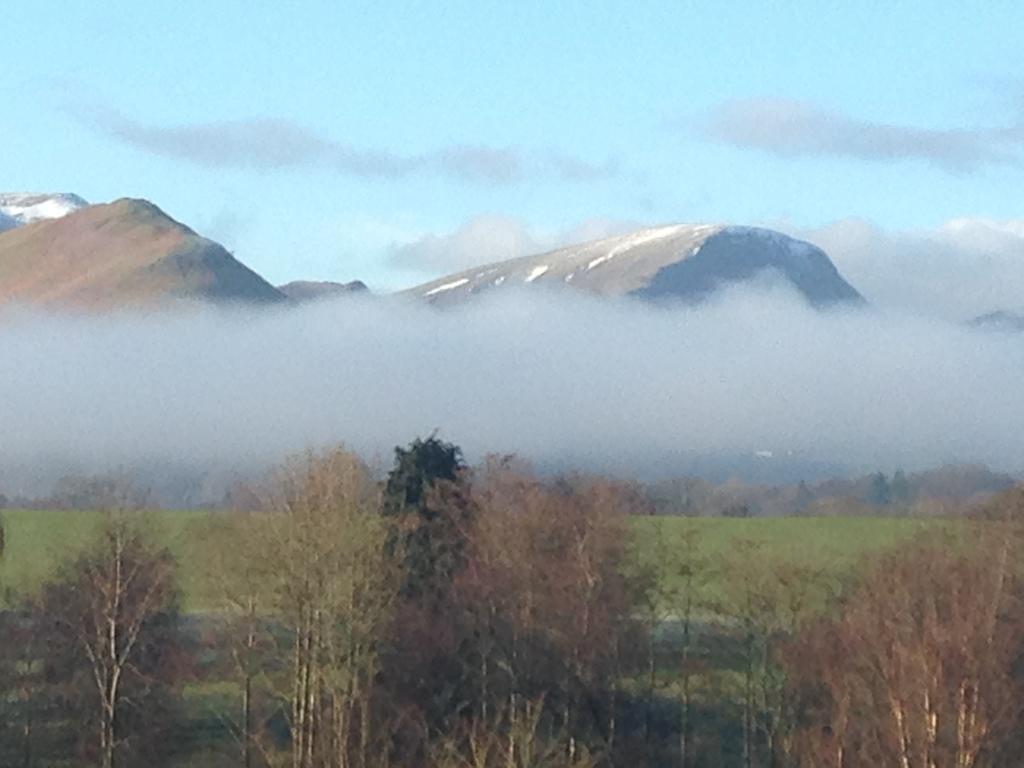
[316, 290]
[1000, 320]
[128, 252]
[683, 261]
[18, 208]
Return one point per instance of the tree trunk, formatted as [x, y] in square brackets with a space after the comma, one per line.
[613, 696]
[247, 722]
[748, 703]
[250, 644]
[651, 670]
[684, 709]
[26, 732]
[107, 735]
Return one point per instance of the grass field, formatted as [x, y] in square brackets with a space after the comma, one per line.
[817, 542]
[37, 542]
[827, 550]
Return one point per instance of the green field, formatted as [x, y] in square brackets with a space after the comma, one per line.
[817, 542]
[820, 553]
[37, 542]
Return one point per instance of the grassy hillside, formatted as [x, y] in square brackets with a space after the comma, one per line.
[37, 542]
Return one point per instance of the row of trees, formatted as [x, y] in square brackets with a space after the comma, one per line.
[430, 621]
[945, 491]
[456, 619]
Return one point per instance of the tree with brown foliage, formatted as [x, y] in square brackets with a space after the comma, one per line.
[548, 598]
[920, 667]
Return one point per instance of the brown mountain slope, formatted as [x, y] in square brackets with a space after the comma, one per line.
[128, 252]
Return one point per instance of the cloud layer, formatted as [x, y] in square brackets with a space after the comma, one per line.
[963, 268]
[790, 128]
[568, 380]
[269, 144]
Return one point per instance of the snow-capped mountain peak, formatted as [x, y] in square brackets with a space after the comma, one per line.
[680, 261]
[18, 208]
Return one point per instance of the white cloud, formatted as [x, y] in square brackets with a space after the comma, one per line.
[275, 144]
[961, 269]
[790, 128]
[491, 237]
[480, 240]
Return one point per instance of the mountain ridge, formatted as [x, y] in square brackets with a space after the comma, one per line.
[57, 249]
[686, 262]
[125, 252]
[319, 290]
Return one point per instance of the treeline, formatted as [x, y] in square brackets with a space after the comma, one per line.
[456, 618]
[941, 492]
[944, 492]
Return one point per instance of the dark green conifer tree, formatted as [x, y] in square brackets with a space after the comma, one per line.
[427, 498]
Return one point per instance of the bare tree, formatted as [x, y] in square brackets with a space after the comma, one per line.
[235, 556]
[333, 583]
[483, 743]
[918, 671]
[111, 603]
[546, 581]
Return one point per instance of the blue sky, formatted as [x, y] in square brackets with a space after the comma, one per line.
[319, 139]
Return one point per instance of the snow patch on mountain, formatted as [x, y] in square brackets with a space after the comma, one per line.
[447, 286]
[26, 207]
[537, 272]
[631, 241]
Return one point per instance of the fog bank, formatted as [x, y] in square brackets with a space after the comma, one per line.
[566, 380]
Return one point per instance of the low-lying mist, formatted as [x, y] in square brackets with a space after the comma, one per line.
[564, 380]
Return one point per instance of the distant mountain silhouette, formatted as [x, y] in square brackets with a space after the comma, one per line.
[315, 290]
